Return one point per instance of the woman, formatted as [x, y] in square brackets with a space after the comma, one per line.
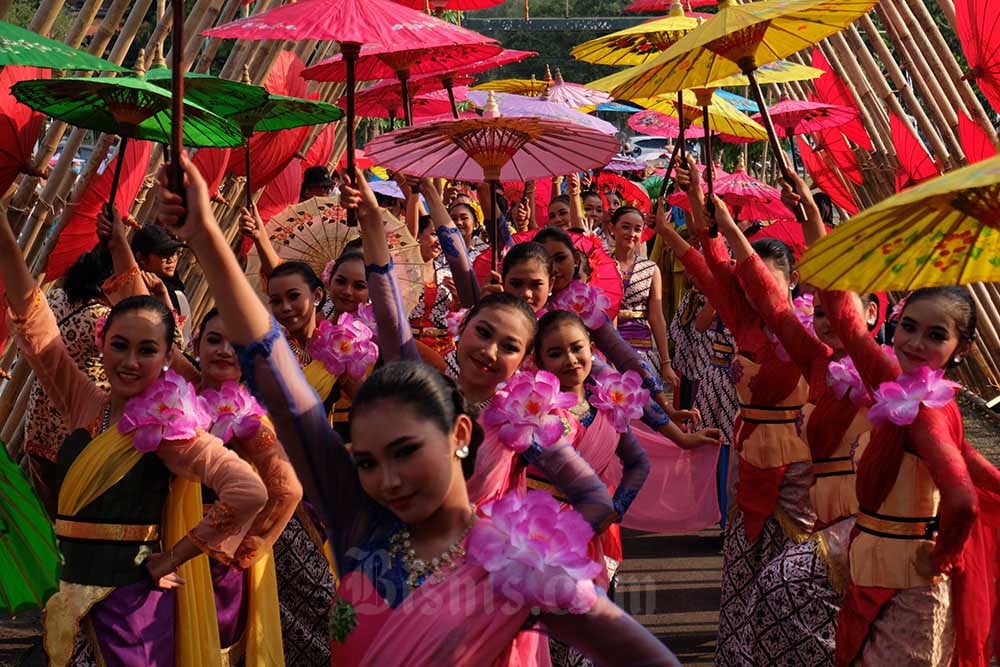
[640, 319]
[691, 349]
[775, 475]
[124, 558]
[403, 480]
[429, 318]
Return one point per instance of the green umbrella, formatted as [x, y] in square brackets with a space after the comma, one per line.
[280, 113]
[29, 555]
[19, 46]
[223, 97]
[128, 106]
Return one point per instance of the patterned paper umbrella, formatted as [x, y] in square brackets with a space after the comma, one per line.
[639, 6]
[624, 163]
[791, 117]
[519, 105]
[754, 199]
[528, 87]
[942, 232]
[439, 6]
[574, 95]
[656, 124]
[20, 46]
[638, 44]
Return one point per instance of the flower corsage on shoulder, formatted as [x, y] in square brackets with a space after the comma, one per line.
[621, 395]
[344, 347]
[168, 410]
[899, 402]
[843, 378]
[233, 411]
[529, 408]
[536, 553]
[589, 303]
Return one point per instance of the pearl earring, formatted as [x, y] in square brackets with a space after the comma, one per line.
[957, 359]
[166, 368]
[197, 360]
[462, 452]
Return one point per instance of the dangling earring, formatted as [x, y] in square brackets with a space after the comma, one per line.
[100, 355]
[462, 452]
[957, 359]
[166, 368]
[197, 360]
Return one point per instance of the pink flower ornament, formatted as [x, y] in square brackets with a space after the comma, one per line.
[622, 395]
[899, 402]
[528, 409]
[366, 313]
[344, 347]
[843, 378]
[588, 302]
[328, 271]
[805, 310]
[454, 321]
[233, 411]
[100, 324]
[167, 410]
[536, 553]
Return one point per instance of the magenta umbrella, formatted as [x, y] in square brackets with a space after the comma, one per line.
[536, 107]
[655, 124]
[754, 199]
[352, 23]
[573, 95]
[791, 117]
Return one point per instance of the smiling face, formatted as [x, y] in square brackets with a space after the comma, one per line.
[293, 304]
[218, 359]
[559, 214]
[628, 231]
[349, 286]
[406, 464]
[464, 219]
[824, 329]
[563, 264]
[135, 351]
[593, 208]
[491, 346]
[564, 351]
[927, 335]
[430, 246]
[530, 281]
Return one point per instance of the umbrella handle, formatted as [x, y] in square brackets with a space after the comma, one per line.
[246, 161]
[494, 230]
[119, 160]
[772, 136]
[449, 85]
[176, 175]
[351, 51]
[670, 168]
[713, 230]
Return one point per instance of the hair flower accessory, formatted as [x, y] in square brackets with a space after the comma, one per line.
[328, 271]
[899, 402]
[843, 378]
[528, 409]
[805, 310]
[454, 321]
[344, 347]
[100, 324]
[622, 395]
[167, 410]
[232, 410]
[536, 553]
[588, 302]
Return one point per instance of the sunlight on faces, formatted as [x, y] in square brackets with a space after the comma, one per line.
[407, 464]
[160, 264]
[559, 214]
[824, 329]
[927, 335]
[491, 346]
[530, 281]
[463, 217]
[218, 358]
[292, 303]
[563, 264]
[135, 351]
[430, 247]
[349, 286]
[565, 352]
[628, 231]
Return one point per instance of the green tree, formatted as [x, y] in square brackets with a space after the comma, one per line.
[22, 11]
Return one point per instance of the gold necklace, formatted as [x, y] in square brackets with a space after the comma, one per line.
[419, 570]
[581, 408]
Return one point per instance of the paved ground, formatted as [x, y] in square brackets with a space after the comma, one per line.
[669, 583]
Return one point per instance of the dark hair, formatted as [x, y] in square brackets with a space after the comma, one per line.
[559, 199]
[208, 317]
[423, 222]
[504, 300]
[777, 252]
[84, 278]
[349, 256]
[553, 233]
[144, 303]
[528, 251]
[386, 201]
[960, 306]
[431, 396]
[302, 270]
[625, 210]
[475, 216]
[591, 193]
[825, 206]
[550, 321]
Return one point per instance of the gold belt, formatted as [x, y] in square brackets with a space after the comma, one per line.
[897, 527]
[111, 532]
[541, 485]
[721, 362]
[832, 467]
[779, 414]
[430, 332]
[631, 314]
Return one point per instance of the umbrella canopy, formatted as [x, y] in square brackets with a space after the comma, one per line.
[942, 232]
[723, 116]
[791, 117]
[631, 194]
[389, 105]
[383, 61]
[20, 126]
[127, 106]
[528, 87]
[519, 105]
[574, 95]
[638, 44]
[623, 163]
[976, 23]
[639, 6]
[282, 113]
[224, 97]
[656, 124]
[756, 200]
[29, 555]
[505, 57]
[20, 46]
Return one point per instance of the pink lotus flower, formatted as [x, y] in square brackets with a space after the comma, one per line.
[536, 553]
[620, 394]
[528, 408]
[897, 310]
[899, 402]
[232, 411]
[588, 302]
[344, 347]
[804, 310]
[455, 320]
[99, 325]
[366, 313]
[843, 378]
[167, 410]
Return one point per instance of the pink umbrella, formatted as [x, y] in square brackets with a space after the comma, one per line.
[573, 95]
[754, 199]
[535, 107]
[352, 23]
[793, 117]
[623, 163]
[638, 6]
[493, 148]
[389, 104]
[655, 124]
[460, 93]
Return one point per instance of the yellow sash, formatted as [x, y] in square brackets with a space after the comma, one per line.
[319, 378]
[102, 464]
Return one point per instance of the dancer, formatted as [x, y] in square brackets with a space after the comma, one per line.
[395, 491]
[123, 558]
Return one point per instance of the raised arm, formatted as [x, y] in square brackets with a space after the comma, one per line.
[569, 472]
[252, 226]
[452, 245]
[872, 362]
[635, 470]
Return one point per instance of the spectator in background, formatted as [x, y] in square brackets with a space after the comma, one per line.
[316, 182]
[157, 252]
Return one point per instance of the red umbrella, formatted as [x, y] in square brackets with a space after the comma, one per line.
[754, 199]
[514, 192]
[322, 148]
[638, 6]
[831, 89]
[211, 162]
[978, 28]
[834, 142]
[386, 104]
[826, 179]
[630, 193]
[364, 162]
[915, 163]
[975, 142]
[792, 117]
[655, 124]
[20, 125]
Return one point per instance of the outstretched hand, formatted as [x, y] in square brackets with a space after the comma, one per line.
[688, 179]
[357, 194]
[189, 216]
[722, 217]
[251, 224]
[110, 227]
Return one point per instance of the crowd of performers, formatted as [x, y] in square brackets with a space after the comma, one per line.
[369, 507]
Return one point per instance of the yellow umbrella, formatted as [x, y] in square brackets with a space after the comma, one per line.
[780, 71]
[723, 116]
[528, 87]
[638, 44]
[945, 231]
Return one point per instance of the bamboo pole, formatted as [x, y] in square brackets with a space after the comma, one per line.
[948, 7]
[46, 16]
